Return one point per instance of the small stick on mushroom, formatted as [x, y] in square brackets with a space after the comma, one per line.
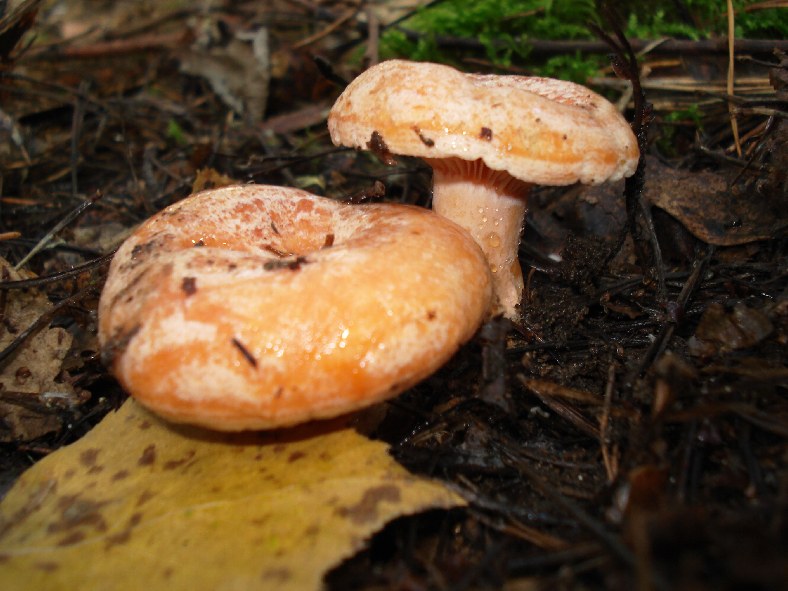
[254, 307]
[488, 139]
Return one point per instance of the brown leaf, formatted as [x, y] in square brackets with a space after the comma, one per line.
[720, 329]
[34, 367]
[709, 209]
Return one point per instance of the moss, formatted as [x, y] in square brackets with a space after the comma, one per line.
[503, 28]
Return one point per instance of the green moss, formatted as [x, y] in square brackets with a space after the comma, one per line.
[573, 66]
[676, 124]
[691, 113]
[175, 132]
[503, 28]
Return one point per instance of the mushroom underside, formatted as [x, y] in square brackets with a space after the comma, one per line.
[491, 205]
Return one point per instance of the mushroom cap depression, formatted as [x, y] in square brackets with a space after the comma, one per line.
[539, 130]
[255, 307]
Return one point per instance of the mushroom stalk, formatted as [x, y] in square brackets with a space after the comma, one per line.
[491, 206]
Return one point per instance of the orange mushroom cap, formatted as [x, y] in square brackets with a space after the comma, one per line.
[254, 307]
[539, 130]
[488, 139]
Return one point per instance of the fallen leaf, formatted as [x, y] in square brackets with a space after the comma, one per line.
[142, 504]
[723, 330]
[302, 118]
[32, 372]
[210, 178]
[237, 68]
[700, 200]
[713, 212]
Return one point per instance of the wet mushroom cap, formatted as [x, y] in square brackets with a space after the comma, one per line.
[488, 139]
[540, 130]
[255, 307]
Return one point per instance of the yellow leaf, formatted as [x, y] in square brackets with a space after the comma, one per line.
[210, 178]
[141, 504]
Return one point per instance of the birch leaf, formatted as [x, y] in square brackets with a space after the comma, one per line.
[141, 504]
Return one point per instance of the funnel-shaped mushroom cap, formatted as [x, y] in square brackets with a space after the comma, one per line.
[254, 307]
[540, 130]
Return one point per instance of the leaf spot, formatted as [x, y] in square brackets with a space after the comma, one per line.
[296, 455]
[148, 457]
[88, 457]
[144, 498]
[366, 509]
[172, 464]
[276, 575]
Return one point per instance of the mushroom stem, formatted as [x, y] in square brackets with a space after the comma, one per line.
[491, 205]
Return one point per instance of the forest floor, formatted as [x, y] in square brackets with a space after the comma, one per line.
[628, 432]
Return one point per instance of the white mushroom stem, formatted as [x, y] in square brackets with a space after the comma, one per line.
[491, 205]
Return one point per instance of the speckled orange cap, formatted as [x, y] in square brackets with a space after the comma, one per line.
[255, 307]
[539, 130]
[488, 139]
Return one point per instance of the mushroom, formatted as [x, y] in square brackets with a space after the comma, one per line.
[489, 139]
[253, 307]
